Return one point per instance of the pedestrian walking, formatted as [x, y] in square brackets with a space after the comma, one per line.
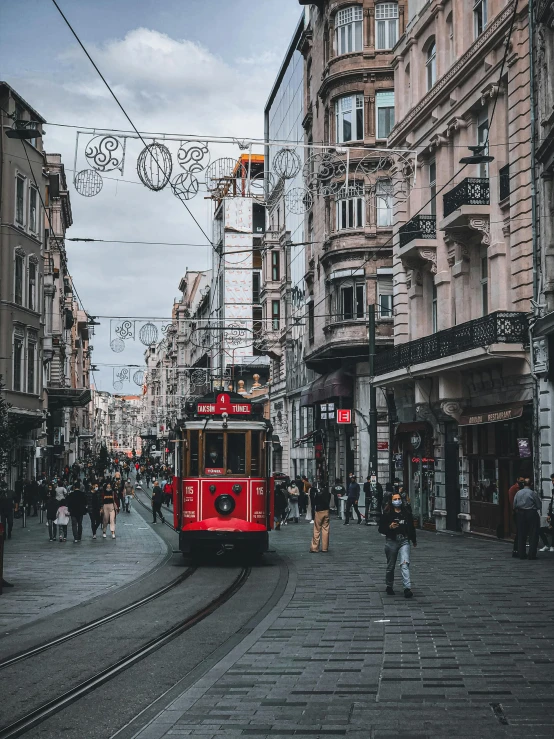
[397, 524]
[293, 496]
[110, 509]
[279, 504]
[6, 509]
[352, 500]
[512, 491]
[157, 499]
[338, 492]
[61, 491]
[52, 506]
[62, 519]
[544, 531]
[129, 494]
[527, 505]
[168, 492]
[321, 505]
[77, 506]
[94, 505]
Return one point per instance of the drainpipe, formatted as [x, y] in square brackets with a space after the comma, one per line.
[537, 466]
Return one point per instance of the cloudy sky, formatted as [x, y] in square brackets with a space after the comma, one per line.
[194, 67]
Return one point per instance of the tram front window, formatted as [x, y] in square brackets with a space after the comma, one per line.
[214, 458]
[225, 453]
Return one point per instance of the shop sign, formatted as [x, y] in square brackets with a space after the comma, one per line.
[464, 492]
[344, 415]
[492, 416]
[524, 447]
[382, 446]
[415, 440]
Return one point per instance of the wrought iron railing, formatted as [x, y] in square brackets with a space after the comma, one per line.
[419, 227]
[504, 182]
[501, 327]
[471, 191]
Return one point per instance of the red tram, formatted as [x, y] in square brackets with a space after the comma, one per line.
[223, 492]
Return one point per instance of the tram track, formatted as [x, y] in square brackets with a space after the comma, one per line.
[83, 688]
[98, 622]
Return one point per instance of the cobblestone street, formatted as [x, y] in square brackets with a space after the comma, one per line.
[469, 656]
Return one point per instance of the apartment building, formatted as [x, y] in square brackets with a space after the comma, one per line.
[463, 268]
[23, 185]
[349, 104]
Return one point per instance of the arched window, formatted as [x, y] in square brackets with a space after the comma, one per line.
[431, 64]
[348, 30]
[386, 25]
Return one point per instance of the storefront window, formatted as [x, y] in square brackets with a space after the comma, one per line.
[484, 480]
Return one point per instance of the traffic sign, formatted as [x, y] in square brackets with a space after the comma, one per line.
[344, 415]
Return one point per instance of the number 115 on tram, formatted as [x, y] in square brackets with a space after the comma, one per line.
[223, 491]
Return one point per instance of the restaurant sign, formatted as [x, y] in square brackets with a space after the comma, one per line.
[490, 416]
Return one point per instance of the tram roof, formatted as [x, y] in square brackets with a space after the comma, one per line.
[216, 424]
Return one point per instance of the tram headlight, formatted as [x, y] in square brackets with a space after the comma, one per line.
[224, 504]
[212, 488]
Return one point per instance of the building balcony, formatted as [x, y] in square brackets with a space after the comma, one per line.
[471, 191]
[417, 229]
[501, 327]
[344, 337]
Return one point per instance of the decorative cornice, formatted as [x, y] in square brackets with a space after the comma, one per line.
[430, 100]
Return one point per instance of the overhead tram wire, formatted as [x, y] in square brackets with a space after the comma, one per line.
[112, 93]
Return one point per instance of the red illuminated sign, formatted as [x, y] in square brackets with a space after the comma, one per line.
[222, 405]
[344, 415]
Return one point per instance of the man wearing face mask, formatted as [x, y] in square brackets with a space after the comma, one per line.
[397, 524]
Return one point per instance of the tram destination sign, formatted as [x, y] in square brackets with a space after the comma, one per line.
[223, 404]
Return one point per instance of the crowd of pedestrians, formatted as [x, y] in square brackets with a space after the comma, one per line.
[101, 489]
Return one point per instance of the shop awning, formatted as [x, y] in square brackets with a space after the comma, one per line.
[491, 414]
[68, 397]
[337, 384]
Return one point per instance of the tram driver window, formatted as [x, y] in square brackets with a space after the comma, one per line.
[214, 457]
[236, 454]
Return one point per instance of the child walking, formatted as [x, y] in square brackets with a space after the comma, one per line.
[62, 520]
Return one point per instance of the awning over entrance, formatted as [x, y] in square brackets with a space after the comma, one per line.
[407, 428]
[492, 414]
[337, 384]
[68, 397]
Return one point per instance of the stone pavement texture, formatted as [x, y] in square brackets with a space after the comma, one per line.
[51, 576]
[472, 655]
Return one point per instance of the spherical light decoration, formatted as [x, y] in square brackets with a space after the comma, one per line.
[88, 183]
[298, 200]
[138, 378]
[117, 345]
[105, 153]
[148, 334]
[286, 163]
[118, 385]
[154, 165]
[198, 377]
[185, 186]
[193, 156]
[219, 172]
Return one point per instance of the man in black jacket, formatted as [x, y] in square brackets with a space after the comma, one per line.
[157, 499]
[77, 505]
[352, 500]
[321, 504]
[397, 524]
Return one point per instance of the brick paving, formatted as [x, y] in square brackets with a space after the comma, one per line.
[51, 576]
[472, 655]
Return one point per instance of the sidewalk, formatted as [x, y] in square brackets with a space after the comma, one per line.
[470, 656]
[53, 576]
